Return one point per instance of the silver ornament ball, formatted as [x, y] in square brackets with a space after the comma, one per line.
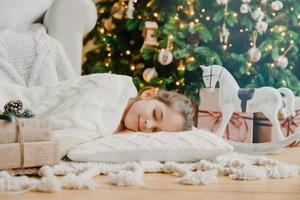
[165, 57]
[282, 61]
[149, 74]
[254, 54]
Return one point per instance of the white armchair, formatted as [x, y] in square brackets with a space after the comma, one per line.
[68, 21]
[65, 20]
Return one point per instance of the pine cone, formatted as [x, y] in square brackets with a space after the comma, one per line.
[14, 106]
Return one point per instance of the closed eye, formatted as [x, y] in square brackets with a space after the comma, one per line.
[157, 114]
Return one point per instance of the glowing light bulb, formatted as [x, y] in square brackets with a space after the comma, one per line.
[180, 7]
[196, 20]
[203, 10]
[283, 82]
[155, 14]
[107, 64]
[132, 67]
[128, 52]
[207, 18]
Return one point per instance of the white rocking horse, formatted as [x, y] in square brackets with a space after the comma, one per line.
[265, 99]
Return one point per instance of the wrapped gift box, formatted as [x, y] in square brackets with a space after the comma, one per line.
[240, 126]
[31, 155]
[264, 128]
[33, 129]
[27, 143]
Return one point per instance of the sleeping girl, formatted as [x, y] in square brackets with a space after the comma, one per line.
[156, 110]
[88, 107]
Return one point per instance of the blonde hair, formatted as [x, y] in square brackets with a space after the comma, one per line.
[185, 106]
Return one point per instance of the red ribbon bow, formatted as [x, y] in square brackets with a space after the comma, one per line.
[237, 120]
[290, 124]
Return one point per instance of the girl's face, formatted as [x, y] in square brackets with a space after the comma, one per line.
[151, 115]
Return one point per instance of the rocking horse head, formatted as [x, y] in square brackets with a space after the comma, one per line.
[211, 75]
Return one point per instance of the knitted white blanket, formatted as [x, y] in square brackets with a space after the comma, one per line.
[80, 109]
[32, 58]
[76, 175]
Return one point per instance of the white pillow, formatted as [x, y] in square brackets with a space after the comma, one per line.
[161, 146]
[18, 15]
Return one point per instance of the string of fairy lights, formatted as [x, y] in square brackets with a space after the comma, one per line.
[194, 19]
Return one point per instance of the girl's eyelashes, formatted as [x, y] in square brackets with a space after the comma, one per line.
[157, 114]
[154, 114]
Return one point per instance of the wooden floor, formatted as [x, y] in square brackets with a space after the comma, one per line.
[164, 187]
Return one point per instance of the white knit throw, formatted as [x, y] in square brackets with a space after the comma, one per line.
[79, 175]
[32, 58]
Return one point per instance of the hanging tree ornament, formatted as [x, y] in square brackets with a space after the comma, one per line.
[149, 32]
[118, 9]
[254, 53]
[165, 56]
[130, 9]
[245, 8]
[224, 34]
[149, 74]
[282, 60]
[276, 5]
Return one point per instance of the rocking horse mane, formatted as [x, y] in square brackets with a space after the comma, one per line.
[226, 74]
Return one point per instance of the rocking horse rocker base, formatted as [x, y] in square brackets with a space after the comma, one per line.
[267, 100]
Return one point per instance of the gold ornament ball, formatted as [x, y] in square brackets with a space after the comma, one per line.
[282, 62]
[254, 54]
[149, 74]
[165, 57]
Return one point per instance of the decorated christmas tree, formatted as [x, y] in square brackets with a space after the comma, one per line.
[162, 43]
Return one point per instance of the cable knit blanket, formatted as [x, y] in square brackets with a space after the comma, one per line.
[80, 109]
[79, 175]
[32, 58]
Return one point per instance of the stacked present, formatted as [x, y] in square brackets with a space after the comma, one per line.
[240, 126]
[244, 127]
[263, 127]
[26, 142]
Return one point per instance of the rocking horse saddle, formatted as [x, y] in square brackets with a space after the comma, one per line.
[245, 95]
